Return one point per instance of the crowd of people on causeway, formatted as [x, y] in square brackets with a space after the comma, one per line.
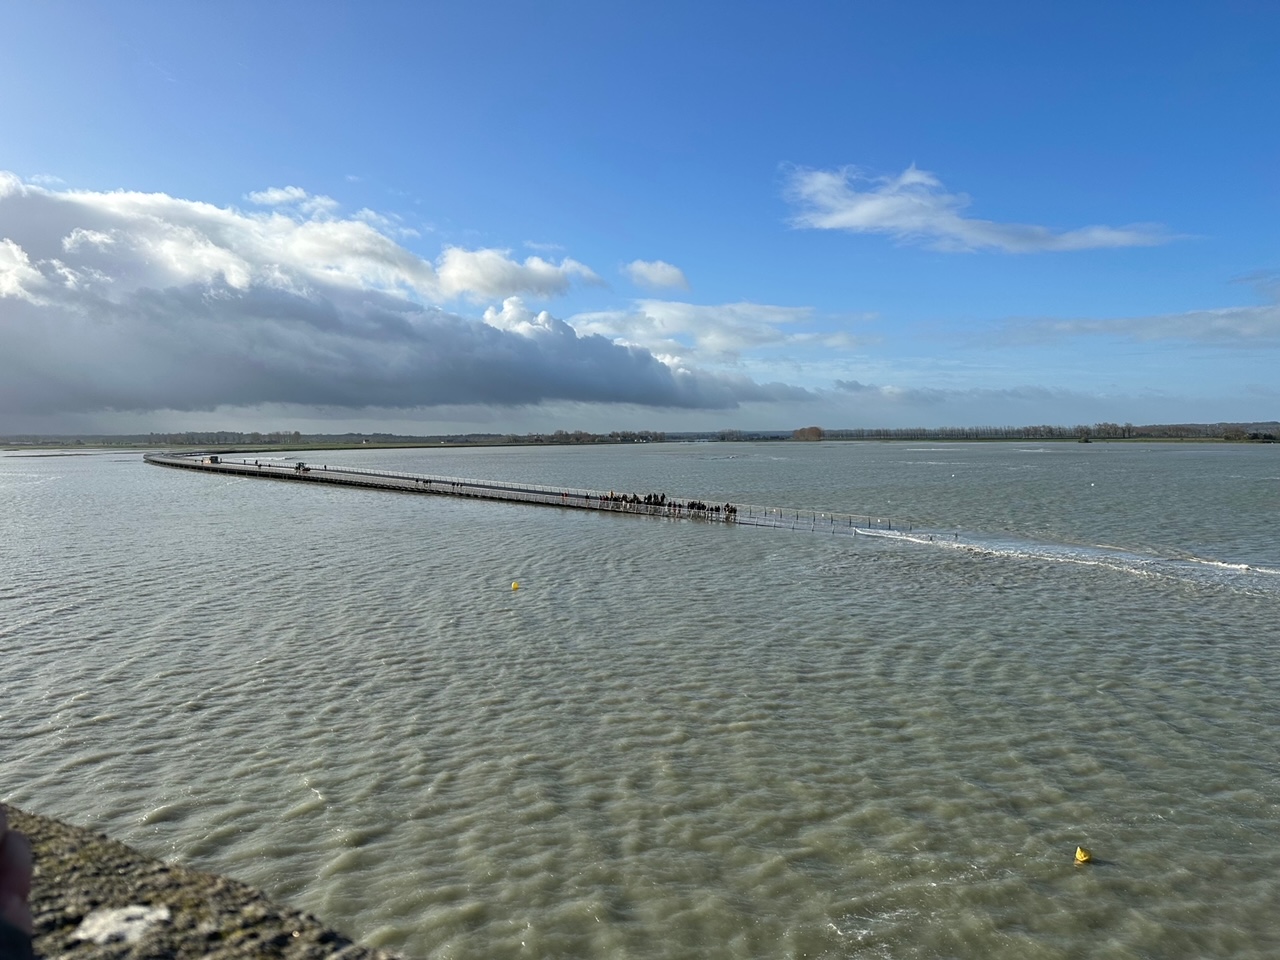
[725, 511]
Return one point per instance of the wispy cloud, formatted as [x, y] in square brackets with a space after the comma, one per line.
[392, 226]
[656, 275]
[908, 405]
[935, 396]
[913, 207]
[1265, 282]
[1243, 327]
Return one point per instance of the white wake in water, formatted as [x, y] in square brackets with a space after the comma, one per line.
[1189, 569]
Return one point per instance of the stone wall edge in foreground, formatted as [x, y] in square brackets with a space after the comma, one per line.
[94, 898]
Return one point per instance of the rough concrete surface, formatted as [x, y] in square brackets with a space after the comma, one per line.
[96, 899]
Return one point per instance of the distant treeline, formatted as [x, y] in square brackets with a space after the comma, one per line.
[295, 438]
[1267, 432]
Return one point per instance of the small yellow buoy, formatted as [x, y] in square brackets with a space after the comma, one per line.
[515, 585]
[1083, 855]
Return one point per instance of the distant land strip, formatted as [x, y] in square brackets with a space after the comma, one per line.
[1256, 432]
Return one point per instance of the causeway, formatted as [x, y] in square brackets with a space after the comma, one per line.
[651, 505]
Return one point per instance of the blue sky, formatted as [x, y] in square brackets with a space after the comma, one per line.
[512, 216]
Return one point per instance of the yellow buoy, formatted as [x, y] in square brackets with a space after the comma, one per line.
[1083, 855]
[515, 585]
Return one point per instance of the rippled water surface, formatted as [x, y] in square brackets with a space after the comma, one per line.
[676, 739]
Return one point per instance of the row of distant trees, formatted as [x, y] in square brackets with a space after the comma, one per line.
[1101, 431]
[226, 437]
[222, 437]
[1268, 432]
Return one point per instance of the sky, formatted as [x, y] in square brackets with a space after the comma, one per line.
[502, 217]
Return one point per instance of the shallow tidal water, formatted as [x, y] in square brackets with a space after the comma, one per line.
[676, 739]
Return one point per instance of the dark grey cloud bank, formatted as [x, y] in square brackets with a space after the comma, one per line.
[198, 347]
[135, 302]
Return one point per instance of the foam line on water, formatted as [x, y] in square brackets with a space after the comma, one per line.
[1187, 569]
[1190, 569]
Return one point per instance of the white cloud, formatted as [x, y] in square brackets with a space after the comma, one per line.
[656, 275]
[153, 240]
[80, 236]
[293, 197]
[517, 318]
[278, 196]
[695, 333]
[133, 302]
[913, 206]
[492, 273]
[18, 278]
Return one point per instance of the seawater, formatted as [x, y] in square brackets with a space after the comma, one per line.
[677, 739]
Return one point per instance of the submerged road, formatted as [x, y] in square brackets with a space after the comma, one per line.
[652, 505]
